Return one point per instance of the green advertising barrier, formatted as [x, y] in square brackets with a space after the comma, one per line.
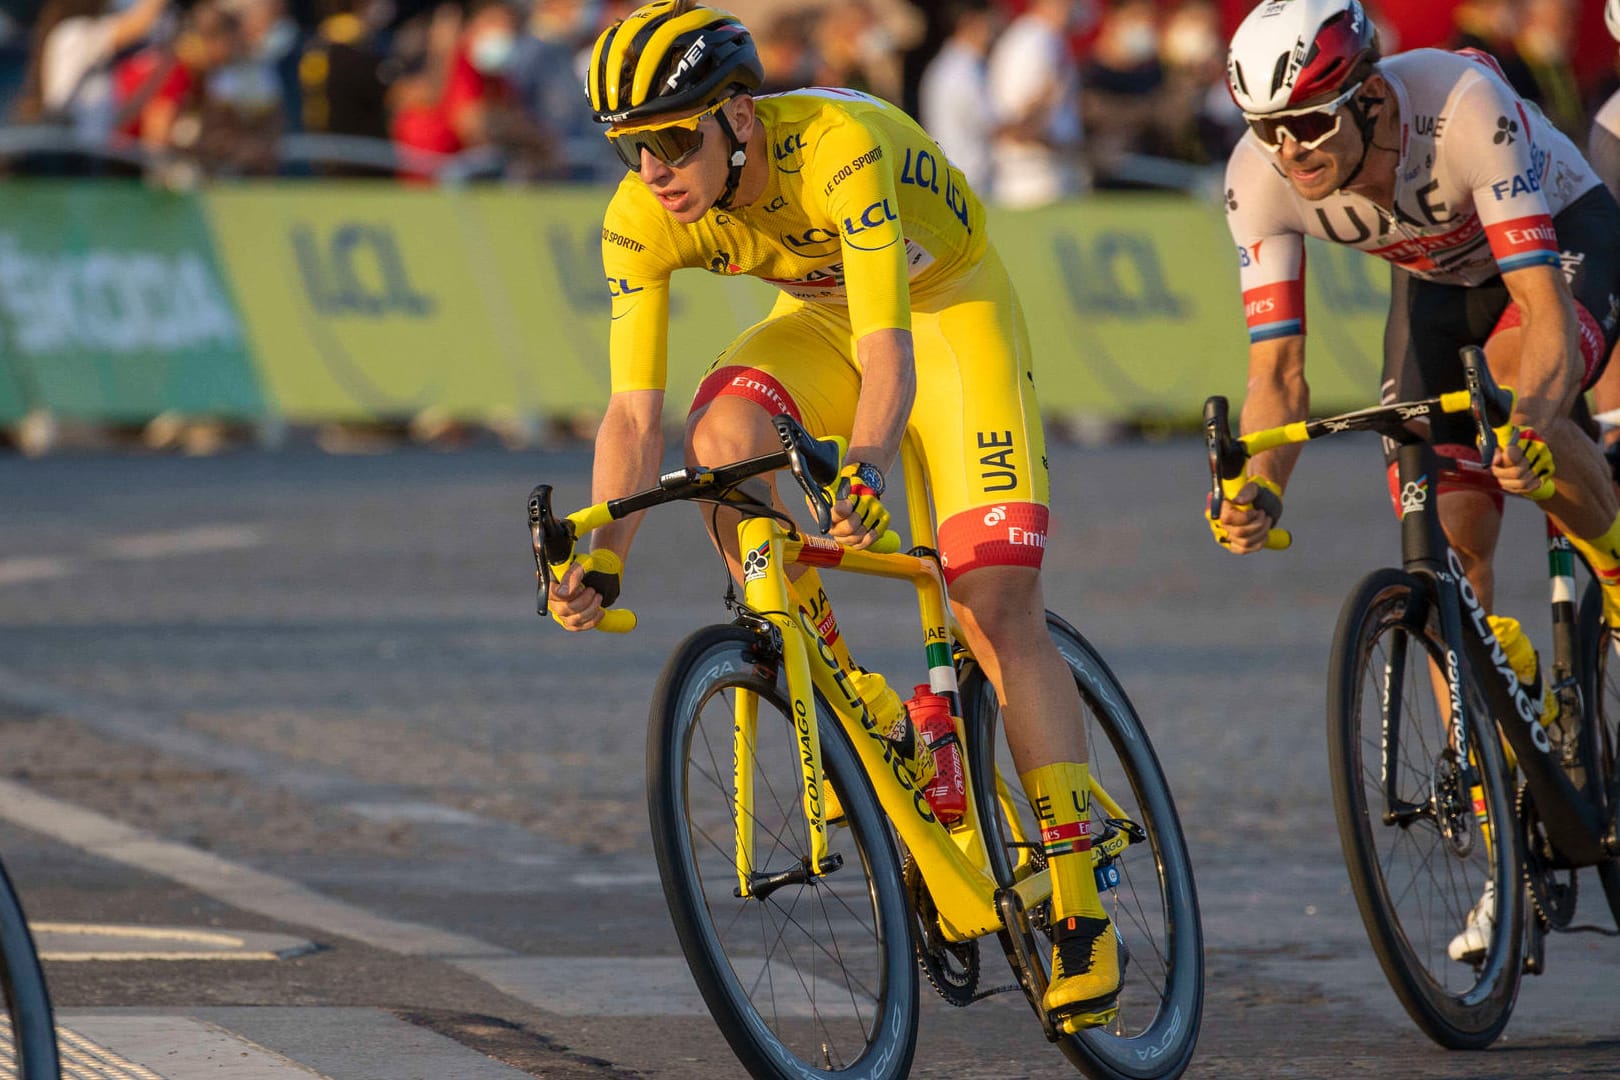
[112, 307]
[1134, 308]
[375, 300]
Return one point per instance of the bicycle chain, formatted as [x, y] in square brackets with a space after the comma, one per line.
[1553, 900]
[952, 967]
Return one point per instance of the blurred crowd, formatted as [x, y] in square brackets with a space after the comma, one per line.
[1033, 99]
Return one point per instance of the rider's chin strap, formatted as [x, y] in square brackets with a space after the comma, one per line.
[739, 158]
[1365, 121]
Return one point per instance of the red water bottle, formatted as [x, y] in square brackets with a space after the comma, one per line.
[947, 792]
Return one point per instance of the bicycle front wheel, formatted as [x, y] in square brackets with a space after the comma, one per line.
[810, 973]
[1427, 830]
[1153, 904]
[32, 1031]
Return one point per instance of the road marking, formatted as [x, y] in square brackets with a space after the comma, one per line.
[413, 813]
[121, 1048]
[80, 942]
[240, 886]
[653, 986]
[21, 569]
[198, 541]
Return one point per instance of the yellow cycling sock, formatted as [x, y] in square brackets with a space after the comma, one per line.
[1060, 794]
[1602, 554]
[817, 610]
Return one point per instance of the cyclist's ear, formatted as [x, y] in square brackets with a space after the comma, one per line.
[740, 113]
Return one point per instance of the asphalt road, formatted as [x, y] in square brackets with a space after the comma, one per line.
[309, 695]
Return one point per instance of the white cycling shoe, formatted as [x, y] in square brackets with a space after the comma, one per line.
[1470, 945]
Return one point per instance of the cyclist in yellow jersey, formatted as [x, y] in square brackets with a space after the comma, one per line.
[895, 311]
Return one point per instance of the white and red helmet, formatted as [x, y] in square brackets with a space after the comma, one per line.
[1287, 52]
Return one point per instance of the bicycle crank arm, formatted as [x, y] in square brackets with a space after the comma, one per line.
[1031, 976]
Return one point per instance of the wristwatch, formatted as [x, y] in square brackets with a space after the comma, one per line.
[871, 476]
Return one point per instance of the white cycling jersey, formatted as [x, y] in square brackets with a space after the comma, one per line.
[1603, 149]
[1479, 178]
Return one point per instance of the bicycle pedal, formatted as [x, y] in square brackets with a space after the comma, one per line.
[1074, 1022]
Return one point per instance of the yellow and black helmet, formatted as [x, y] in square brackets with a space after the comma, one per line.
[667, 56]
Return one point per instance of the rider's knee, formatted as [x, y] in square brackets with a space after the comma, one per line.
[729, 429]
[999, 601]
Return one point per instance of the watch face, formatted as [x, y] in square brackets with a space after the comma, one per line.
[871, 476]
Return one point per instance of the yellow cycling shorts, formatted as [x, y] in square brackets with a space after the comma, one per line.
[975, 417]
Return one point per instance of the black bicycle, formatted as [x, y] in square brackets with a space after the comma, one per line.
[1463, 816]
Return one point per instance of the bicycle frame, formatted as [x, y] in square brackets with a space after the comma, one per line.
[953, 860]
[1574, 820]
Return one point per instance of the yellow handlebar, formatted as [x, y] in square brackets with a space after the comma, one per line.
[617, 621]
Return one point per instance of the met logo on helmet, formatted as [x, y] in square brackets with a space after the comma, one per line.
[688, 60]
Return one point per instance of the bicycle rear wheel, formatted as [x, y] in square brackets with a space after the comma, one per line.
[1154, 906]
[812, 974]
[1603, 658]
[1418, 850]
[32, 1034]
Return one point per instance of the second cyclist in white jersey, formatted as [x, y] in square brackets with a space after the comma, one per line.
[1499, 233]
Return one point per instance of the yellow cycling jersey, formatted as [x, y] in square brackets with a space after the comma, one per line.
[861, 210]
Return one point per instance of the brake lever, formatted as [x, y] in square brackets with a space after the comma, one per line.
[553, 542]
[796, 465]
[1485, 433]
[1226, 455]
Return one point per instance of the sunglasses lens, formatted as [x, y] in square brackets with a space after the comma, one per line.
[1308, 129]
[672, 145]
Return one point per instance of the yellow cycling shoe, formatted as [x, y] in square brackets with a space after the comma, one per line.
[1088, 969]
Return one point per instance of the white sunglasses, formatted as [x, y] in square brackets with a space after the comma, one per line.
[1309, 128]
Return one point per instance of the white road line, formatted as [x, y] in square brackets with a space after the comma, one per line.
[22, 569]
[413, 813]
[652, 986]
[200, 540]
[240, 886]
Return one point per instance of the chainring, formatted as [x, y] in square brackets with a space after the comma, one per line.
[952, 967]
[1549, 875]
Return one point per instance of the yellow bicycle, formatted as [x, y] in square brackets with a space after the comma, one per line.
[804, 866]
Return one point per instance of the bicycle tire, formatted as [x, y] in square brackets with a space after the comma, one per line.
[1373, 643]
[1155, 906]
[1604, 748]
[28, 1002]
[790, 1003]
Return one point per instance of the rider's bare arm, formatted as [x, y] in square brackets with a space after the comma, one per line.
[1277, 394]
[629, 449]
[888, 387]
[1550, 367]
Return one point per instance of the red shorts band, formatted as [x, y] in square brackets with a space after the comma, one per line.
[1591, 335]
[1006, 534]
[746, 382]
[1460, 470]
